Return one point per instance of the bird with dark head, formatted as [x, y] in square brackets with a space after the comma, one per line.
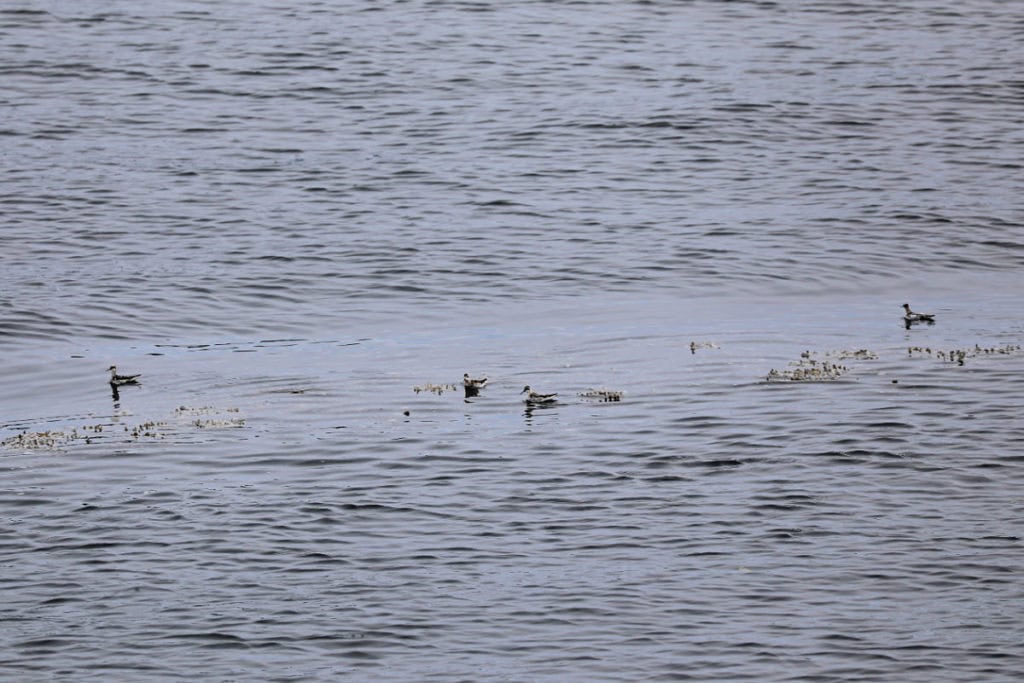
[121, 380]
[910, 317]
[534, 398]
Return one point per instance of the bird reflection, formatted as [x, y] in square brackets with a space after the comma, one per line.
[117, 381]
[530, 407]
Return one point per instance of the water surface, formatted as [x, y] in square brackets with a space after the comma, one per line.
[287, 217]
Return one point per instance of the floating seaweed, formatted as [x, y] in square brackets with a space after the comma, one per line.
[811, 368]
[435, 388]
[959, 356]
[204, 410]
[808, 369]
[606, 395]
[215, 421]
[40, 440]
[151, 429]
[57, 438]
[859, 354]
[821, 372]
[214, 424]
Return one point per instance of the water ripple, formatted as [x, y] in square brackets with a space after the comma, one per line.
[286, 218]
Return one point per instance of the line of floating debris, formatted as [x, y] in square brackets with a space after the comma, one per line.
[435, 388]
[810, 369]
[859, 354]
[87, 434]
[602, 395]
[204, 410]
[214, 424]
[959, 356]
[41, 440]
[823, 372]
[216, 421]
[151, 429]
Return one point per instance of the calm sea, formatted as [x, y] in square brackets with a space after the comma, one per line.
[302, 223]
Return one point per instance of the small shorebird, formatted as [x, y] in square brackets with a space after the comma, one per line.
[533, 398]
[912, 317]
[120, 380]
[472, 386]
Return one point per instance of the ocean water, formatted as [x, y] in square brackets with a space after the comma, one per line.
[296, 221]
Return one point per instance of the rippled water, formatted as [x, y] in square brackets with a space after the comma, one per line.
[287, 217]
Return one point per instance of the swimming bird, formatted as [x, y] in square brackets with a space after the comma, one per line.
[912, 317]
[472, 386]
[120, 380]
[533, 398]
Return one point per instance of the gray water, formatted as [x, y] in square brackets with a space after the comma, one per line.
[288, 217]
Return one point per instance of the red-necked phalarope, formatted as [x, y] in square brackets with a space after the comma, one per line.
[912, 317]
[533, 398]
[120, 380]
[473, 383]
